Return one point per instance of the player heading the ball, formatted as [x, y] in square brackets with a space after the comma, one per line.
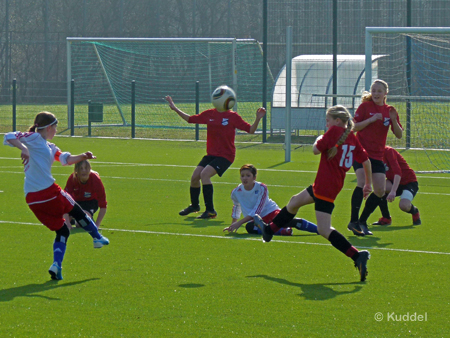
[221, 128]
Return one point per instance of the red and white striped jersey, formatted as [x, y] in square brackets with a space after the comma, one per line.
[38, 174]
[252, 202]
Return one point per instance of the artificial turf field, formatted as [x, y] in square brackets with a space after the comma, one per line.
[167, 275]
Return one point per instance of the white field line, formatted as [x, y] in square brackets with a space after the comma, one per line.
[216, 182]
[109, 164]
[244, 239]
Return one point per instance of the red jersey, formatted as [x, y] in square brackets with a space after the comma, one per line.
[221, 131]
[93, 189]
[396, 165]
[331, 173]
[373, 137]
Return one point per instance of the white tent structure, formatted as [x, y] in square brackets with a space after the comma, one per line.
[311, 86]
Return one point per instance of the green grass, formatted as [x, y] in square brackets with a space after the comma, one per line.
[166, 275]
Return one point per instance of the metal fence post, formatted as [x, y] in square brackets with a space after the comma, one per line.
[133, 109]
[197, 108]
[14, 104]
[72, 107]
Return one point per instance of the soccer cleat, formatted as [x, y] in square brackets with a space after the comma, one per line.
[208, 214]
[286, 232]
[190, 209]
[361, 264]
[416, 218]
[265, 228]
[383, 221]
[355, 228]
[99, 242]
[365, 229]
[55, 272]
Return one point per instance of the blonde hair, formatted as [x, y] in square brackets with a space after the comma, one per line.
[42, 120]
[77, 169]
[340, 112]
[367, 96]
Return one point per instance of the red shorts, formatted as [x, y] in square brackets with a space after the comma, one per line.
[269, 217]
[49, 206]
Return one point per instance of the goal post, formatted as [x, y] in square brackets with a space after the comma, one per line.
[416, 67]
[103, 69]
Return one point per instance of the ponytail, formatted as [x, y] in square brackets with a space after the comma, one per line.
[42, 120]
[342, 113]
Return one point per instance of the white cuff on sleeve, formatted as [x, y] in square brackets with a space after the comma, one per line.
[63, 158]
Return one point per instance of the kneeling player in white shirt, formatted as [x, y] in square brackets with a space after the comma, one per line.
[252, 198]
[44, 197]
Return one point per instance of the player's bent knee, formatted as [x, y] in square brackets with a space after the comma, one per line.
[79, 215]
[379, 192]
[62, 234]
[405, 205]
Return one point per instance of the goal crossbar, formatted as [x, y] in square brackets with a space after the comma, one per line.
[392, 30]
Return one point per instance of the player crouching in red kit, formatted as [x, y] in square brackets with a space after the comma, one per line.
[400, 181]
[86, 188]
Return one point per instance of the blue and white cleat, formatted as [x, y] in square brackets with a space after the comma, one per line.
[99, 242]
[55, 271]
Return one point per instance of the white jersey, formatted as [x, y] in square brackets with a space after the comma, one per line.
[252, 202]
[38, 174]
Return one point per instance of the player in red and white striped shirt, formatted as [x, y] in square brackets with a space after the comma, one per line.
[44, 197]
[338, 148]
[220, 151]
[400, 181]
[252, 198]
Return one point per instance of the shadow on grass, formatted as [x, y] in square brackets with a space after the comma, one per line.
[393, 228]
[191, 286]
[203, 223]
[367, 241]
[318, 291]
[32, 290]
[276, 165]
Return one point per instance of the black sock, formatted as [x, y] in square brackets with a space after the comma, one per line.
[343, 245]
[195, 195]
[283, 218]
[357, 198]
[371, 204]
[413, 210]
[208, 196]
[384, 207]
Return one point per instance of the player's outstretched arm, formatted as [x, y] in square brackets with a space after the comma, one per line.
[236, 224]
[259, 115]
[172, 106]
[72, 159]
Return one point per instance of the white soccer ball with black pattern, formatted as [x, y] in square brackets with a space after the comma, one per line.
[223, 98]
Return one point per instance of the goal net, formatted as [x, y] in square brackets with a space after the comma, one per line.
[416, 66]
[103, 69]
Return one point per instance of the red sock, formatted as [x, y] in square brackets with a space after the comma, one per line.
[351, 252]
[274, 227]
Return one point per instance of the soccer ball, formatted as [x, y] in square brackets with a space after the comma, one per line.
[223, 98]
